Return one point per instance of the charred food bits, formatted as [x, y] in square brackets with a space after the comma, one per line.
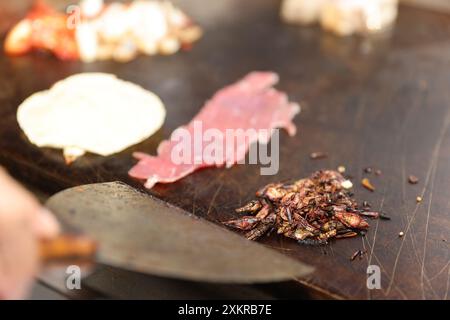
[413, 179]
[311, 210]
[367, 184]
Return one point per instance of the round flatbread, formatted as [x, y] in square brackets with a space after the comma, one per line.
[93, 112]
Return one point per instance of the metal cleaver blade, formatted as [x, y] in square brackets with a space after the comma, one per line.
[138, 232]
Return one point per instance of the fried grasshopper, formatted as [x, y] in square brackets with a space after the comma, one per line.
[315, 209]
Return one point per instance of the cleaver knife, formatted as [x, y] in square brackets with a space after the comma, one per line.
[140, 233]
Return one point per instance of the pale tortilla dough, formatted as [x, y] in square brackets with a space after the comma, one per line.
[93, 112]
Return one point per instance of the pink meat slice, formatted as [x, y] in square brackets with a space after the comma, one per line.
[251, 103]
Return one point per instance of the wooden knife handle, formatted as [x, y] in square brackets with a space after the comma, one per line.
[67, 247]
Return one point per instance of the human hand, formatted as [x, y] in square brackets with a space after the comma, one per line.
[23, 223]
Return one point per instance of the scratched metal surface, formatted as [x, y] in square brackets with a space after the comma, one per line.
[382, 102]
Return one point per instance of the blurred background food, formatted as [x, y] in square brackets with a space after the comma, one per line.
[93, 30]
[343, 17]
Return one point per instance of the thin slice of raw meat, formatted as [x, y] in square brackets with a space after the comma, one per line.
[251, 104]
